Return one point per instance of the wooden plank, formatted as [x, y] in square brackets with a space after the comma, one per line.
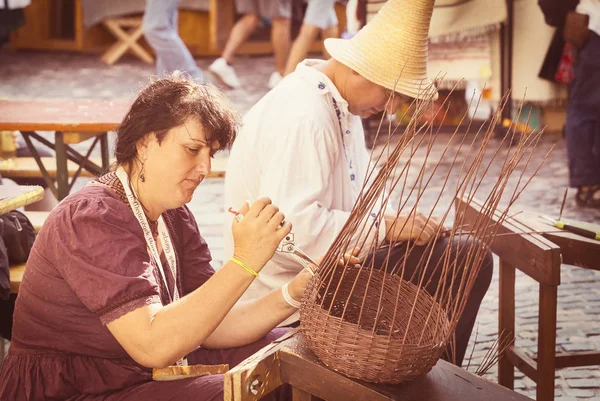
[575, 249]
[62, 115]
[523, 362]
[72, 138]
[506, 321]
[302, 369]
[15, 196]
[220, 23]
[532, 254]
[572, 359]
[78, 24]
[128, 22]
[257, 375]
[16, 277]
[300, 395]
[546, 342]
[26, 167]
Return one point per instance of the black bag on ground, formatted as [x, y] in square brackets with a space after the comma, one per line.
[16, 239]
[18, 235]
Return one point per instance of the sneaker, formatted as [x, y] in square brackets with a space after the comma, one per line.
[225, 73]
[274, 80]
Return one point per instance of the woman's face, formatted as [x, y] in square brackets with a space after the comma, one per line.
[178, 165]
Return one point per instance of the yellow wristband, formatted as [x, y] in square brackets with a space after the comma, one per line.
[245, 266]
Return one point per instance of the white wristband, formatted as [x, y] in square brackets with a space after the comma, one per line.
[288, 298]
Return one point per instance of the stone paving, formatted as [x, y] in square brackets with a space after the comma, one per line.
[39, 75]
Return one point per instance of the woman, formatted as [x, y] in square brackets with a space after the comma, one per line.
[119, 280]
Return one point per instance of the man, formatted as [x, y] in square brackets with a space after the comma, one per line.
[161, 32]
[303, 145]
[583, 108]
[280, 13]
[320, 17]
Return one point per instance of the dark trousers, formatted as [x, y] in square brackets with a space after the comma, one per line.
[482, 283]
[7, 309]
[583, 116]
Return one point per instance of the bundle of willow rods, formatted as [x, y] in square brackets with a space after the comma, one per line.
[378, 323]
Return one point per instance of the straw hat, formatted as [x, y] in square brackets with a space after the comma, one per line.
[391, 50]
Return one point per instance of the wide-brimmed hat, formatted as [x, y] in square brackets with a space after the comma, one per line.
[391, 50]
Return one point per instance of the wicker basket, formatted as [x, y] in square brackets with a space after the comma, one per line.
[383, 344]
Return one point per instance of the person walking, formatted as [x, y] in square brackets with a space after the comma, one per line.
[320, 17]
[161, 32]
[279, 12]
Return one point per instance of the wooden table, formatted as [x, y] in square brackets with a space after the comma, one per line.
[289, 360]
[13, 197]
[540, 257]
[72, 122]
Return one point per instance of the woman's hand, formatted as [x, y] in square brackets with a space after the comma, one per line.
[259, 232]
[413, 227]
[298, 284]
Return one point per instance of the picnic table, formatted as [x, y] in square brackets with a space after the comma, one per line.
[15, 196]
[72, 122]
[289, 360]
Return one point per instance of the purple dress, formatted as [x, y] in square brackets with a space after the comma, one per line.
[89, 266]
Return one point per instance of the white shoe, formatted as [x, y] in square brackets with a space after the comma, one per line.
[274, 80]
[225, 73]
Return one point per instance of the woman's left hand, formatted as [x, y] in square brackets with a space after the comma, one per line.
[298, 284]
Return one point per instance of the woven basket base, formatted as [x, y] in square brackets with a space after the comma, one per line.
[376, 327]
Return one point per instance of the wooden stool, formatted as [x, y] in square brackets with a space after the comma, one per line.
[127, 31]
[540, 257]
[289, 360]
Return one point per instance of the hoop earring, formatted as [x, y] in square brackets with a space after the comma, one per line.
[142, 176]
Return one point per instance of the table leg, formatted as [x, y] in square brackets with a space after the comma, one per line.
[506, 321]
[301, 395]
[62, 174]
[32, 149]
[104, 151]
[546, 360]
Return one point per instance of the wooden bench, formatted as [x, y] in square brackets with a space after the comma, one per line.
[27, 167]
[289, 360]
[72, 122]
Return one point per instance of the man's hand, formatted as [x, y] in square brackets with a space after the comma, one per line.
[414, 227]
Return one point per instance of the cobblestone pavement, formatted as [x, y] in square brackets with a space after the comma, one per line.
[38, 75]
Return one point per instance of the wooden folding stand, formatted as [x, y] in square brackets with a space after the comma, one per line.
[127, 31]
[539, 256]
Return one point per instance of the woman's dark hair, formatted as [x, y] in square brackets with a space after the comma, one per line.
[167, 103]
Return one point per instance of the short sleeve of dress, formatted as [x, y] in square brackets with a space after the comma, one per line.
[100, 251]
[196, 257]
